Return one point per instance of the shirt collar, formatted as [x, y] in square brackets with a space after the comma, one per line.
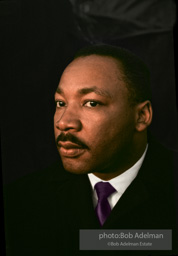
[122, 181]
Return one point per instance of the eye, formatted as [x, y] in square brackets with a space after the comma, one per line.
[91, 104]
[60, 104]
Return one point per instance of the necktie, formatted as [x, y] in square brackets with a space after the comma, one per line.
[103, 209]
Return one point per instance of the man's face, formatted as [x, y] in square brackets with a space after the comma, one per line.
[94, 124]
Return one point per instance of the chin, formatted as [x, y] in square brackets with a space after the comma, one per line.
[75, 169]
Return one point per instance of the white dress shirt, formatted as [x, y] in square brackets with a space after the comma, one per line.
[120, 183]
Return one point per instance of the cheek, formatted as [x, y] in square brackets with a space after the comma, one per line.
[108, 131]
[55, 124]
[57, 116]
[54, 118]
[99, 133]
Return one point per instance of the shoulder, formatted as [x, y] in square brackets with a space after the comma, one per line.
[158, 154]
[157, 171]
[35, 189]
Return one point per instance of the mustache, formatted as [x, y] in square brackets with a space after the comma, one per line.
[72, 138]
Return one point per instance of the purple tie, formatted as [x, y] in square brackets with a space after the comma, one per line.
[103, 209]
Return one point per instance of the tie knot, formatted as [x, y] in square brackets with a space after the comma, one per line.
[104, 189]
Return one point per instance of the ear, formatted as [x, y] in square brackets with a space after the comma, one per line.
[144, 115]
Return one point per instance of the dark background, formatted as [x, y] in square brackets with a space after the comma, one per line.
[37, 40]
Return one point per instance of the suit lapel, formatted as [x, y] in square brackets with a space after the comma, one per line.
[78, 203]
[82, 202]
[134, 196]
[150, 182]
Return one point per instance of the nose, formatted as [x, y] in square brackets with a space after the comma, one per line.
[67, 120]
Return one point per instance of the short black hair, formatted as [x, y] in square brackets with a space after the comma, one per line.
[135, 73]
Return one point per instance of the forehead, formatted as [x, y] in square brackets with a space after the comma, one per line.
[93, 71]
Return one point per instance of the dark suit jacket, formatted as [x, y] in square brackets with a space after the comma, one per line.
[45, 211]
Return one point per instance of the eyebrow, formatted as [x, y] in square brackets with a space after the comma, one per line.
[96, 90]
[87, 90]
[59, 90]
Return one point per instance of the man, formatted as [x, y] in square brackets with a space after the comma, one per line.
[115, 176]
[103, 110]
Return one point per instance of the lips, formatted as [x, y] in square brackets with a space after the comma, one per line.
[68, 149]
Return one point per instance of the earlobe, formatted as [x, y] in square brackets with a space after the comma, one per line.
[143, 116]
